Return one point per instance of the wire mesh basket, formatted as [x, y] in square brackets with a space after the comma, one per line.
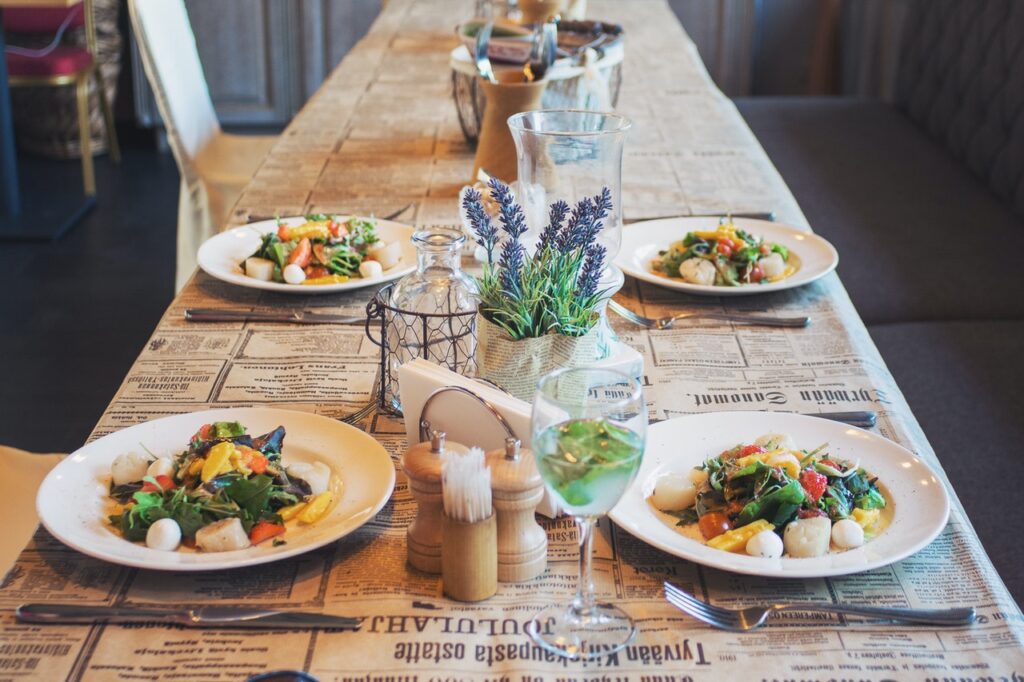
[447, 339]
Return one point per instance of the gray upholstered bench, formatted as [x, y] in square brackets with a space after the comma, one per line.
[924, 200]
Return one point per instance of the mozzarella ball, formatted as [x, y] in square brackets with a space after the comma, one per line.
[847, 534]
[129, 467]
[772, 265]
[807, 538]
[293, 274]
[698, 271]
[776, 441]
[697, 476]
[164, 535]
[317, 475]
[370, 269]
[673, 492]
[765, 544]
[225, 535]
[161, 466]
[259, 268]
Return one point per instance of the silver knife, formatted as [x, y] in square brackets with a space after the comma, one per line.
[864, 418]
[295, 317]
[223, 617]
[756, 215]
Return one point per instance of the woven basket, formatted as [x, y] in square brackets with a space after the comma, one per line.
[46, 118]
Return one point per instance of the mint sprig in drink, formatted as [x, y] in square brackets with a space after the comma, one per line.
[588, 463]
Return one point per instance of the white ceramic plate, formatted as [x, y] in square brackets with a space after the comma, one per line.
[73, 501]
[222, 255]
[642, 241]
[917, 509]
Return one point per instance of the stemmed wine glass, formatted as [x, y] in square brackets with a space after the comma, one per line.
[588, 428]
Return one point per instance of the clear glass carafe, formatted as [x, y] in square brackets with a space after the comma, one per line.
[429, 312]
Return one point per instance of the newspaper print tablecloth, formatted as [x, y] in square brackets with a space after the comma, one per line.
[382, 132]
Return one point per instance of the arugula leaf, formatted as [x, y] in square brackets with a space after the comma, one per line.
[768, 506]
[228, 429]
[781, 250]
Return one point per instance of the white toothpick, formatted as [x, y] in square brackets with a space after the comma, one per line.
[466, 486]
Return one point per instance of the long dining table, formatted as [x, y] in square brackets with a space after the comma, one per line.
[382, 132]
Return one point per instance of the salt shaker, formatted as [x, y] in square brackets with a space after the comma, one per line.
[422, 466]
[517, 490]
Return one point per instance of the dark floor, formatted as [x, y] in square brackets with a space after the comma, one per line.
[74, 314]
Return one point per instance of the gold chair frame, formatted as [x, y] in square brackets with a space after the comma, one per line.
[80, 79]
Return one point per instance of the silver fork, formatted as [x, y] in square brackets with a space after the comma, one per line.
[741, 620]
[667, 322]
[354, 417]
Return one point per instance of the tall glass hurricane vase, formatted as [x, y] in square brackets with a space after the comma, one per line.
[569, 154]
[589, 427]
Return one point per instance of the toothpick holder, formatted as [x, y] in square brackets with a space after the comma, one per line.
[469, 558]
[422, 466]
[517, 489]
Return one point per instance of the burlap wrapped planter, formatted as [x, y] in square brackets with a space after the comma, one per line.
[45, 118]
[517, 366]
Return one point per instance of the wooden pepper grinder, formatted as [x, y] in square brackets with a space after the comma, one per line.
[422, 466]
[517, 490]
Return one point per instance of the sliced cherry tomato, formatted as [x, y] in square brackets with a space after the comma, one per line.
[830, 463]
[302, 253]
[165, 484]
[725, 247]
[282, 233]
[813, 483]
[756, 273]
[810, 513]
[765, 249]
[751, 450]
[264, 530]
[714, 524]
[314, 271]
[320, 254]
[204, 433]
[337, 230]
[734, 508]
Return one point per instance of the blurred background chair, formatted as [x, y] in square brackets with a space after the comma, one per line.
[59, 66]
[215, 166]
[23, 474]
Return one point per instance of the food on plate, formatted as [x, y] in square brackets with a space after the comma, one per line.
[227, 491]
[727, 256]
[322, 250]
[768, 499]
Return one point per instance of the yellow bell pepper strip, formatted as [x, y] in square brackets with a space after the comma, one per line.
[316, 508]
[866, 518]
[314, 229]
[218, 458]
[328, 279]
[289, 513]
[735, 540]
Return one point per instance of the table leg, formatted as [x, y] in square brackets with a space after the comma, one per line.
[44, 212]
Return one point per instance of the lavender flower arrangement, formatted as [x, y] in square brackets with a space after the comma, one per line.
[556, 289]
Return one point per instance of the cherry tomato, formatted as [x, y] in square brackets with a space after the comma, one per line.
[725, 247]
[765, 249]
[205, 432]
[165, 484]
[282, 232]
[734, 508]
[756, 273]
[814, 484]
[751, 450]
[314, 271]
[714, 524]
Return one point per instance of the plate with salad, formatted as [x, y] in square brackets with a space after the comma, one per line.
[216, 489]
[724, 256]
[781, 495]
[312, 254]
